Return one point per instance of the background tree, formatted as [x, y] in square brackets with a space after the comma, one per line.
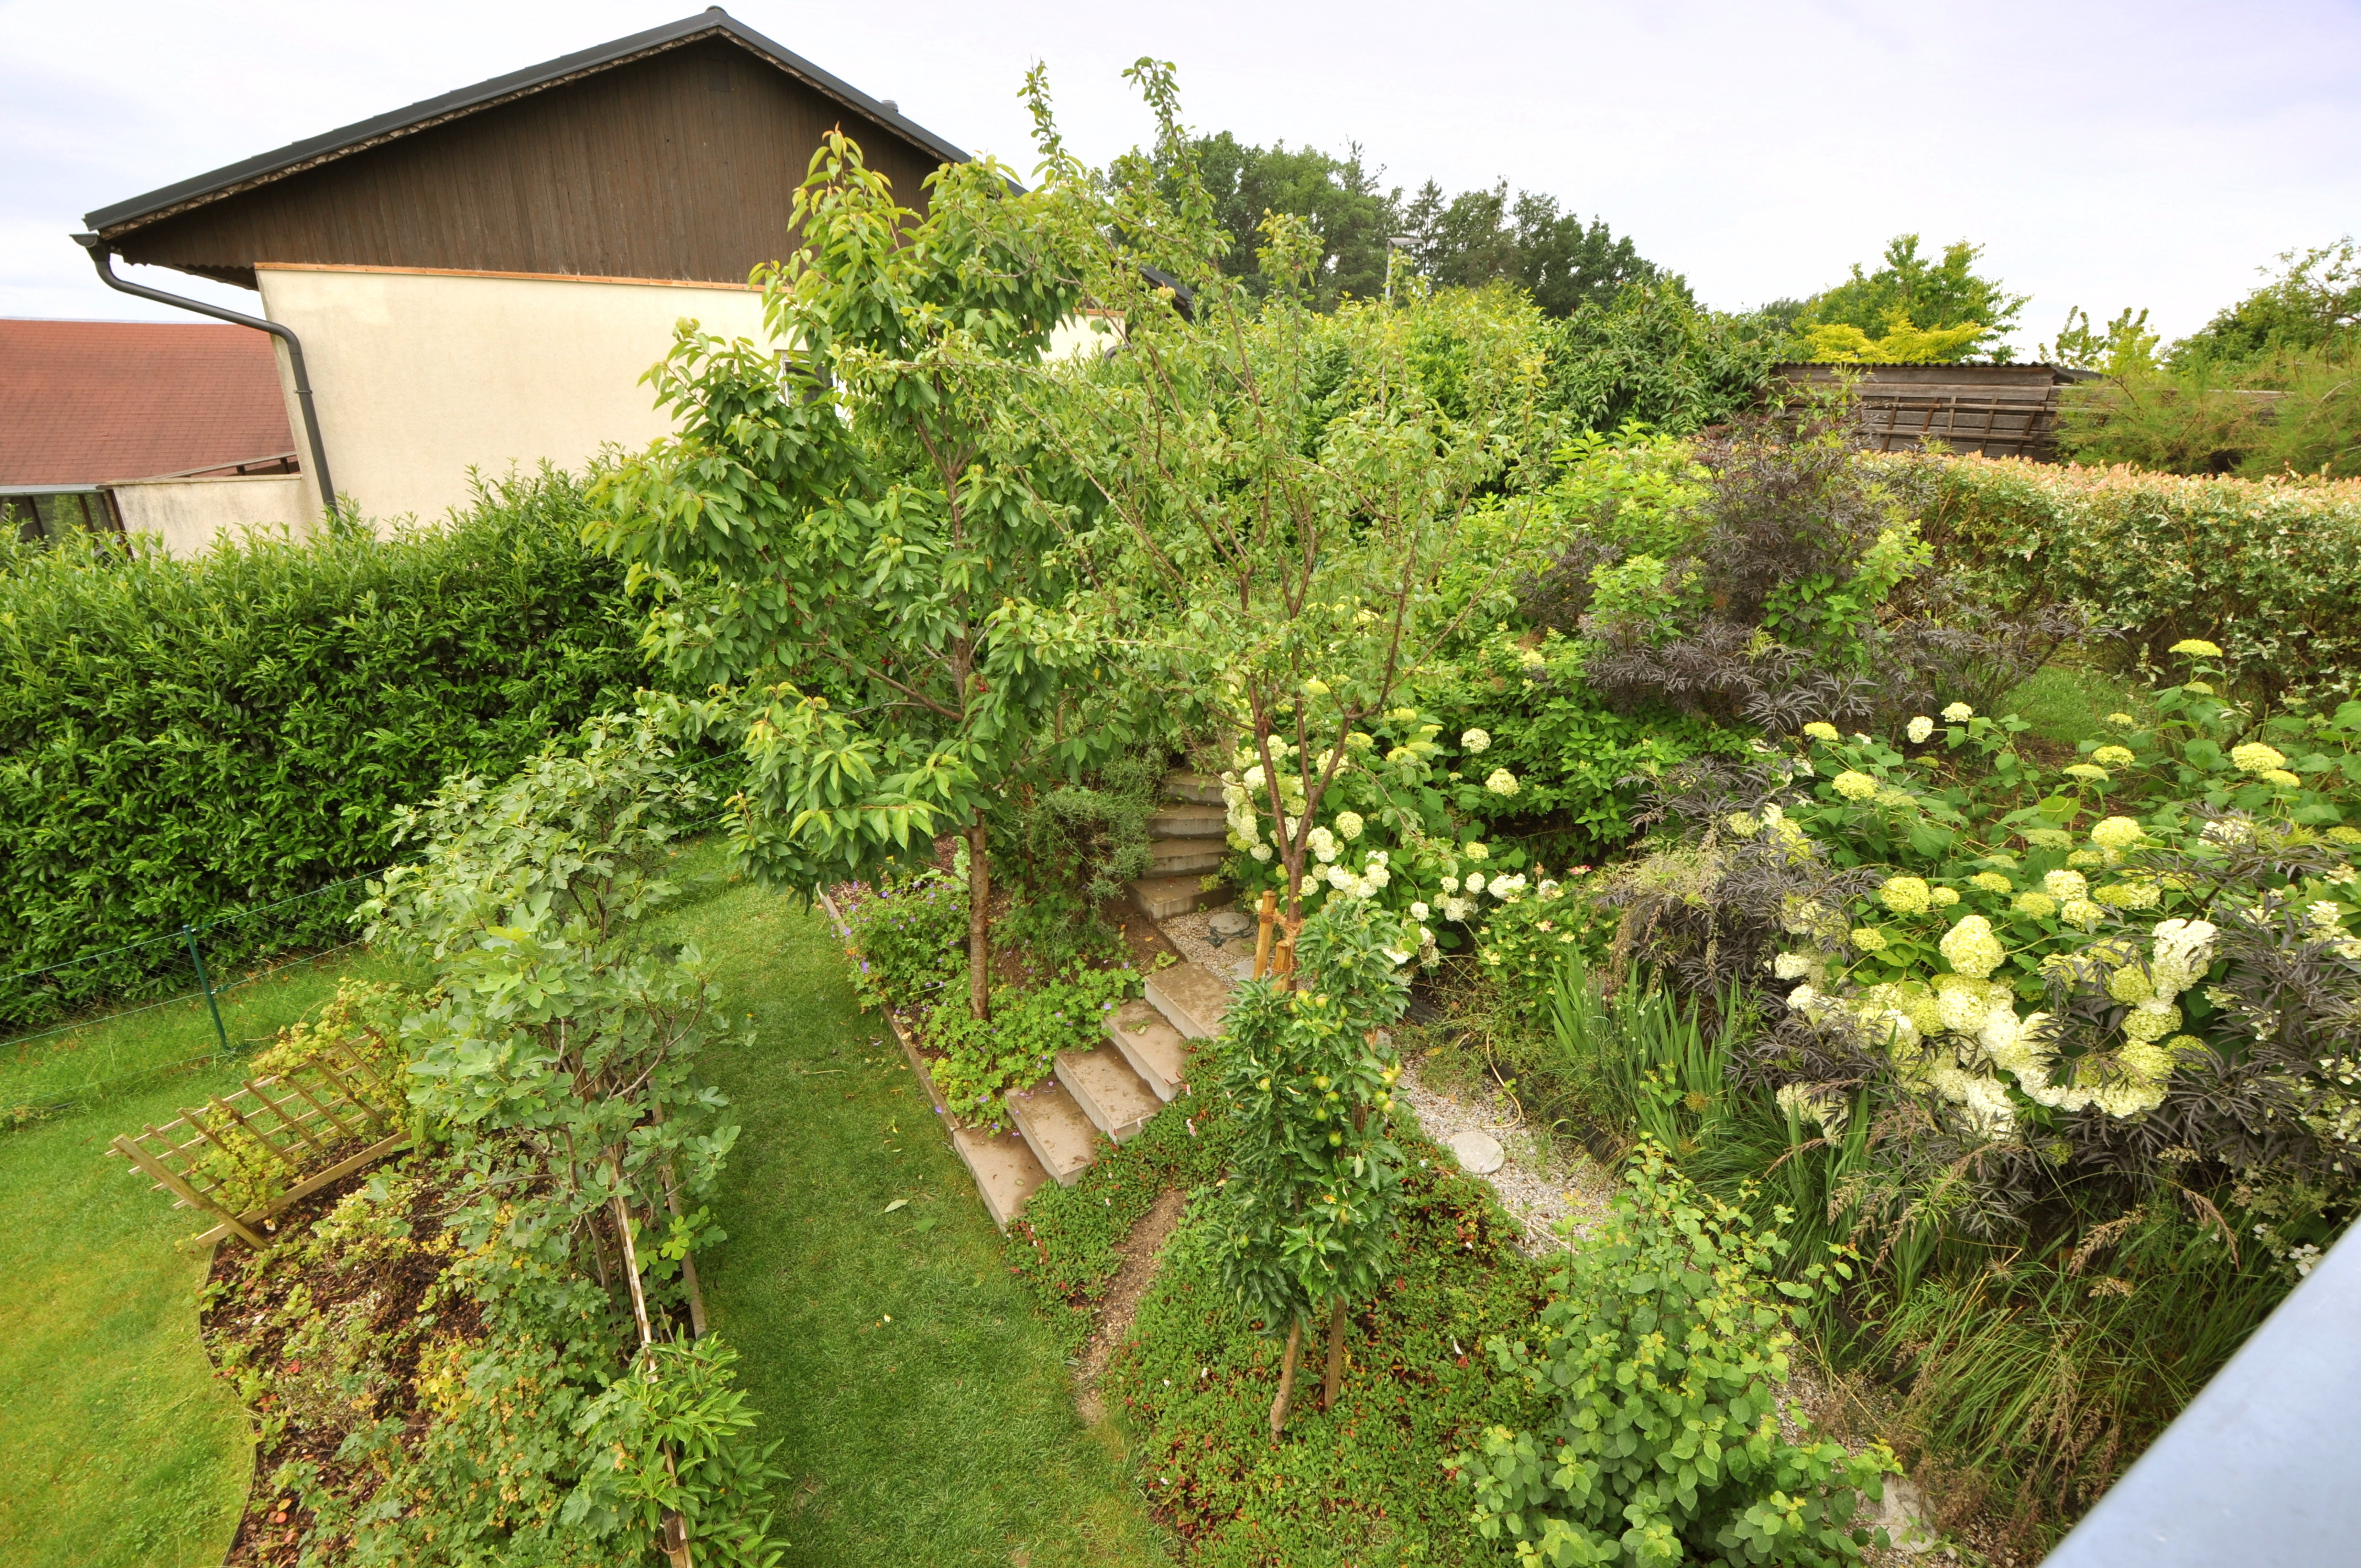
[1926, 295]
[1339, 199]
[1482, 237]
[853, 548]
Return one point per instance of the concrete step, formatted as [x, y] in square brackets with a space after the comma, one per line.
[1113, 1096]
[1055, 1129]
[1163, 897]
[1195, 788]
[1154, 1048]
[1179, 820]
[1192, 997]
[1005, 1169]
[1186, 856]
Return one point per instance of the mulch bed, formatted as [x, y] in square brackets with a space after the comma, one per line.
[246, 1306]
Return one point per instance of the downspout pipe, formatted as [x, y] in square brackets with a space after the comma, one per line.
[99, 257]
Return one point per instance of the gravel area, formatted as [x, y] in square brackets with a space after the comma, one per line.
[1199, 945]
[1539, 1185]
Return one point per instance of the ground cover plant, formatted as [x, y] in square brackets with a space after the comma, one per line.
[236, 728]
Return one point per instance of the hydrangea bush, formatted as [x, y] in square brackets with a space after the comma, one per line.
[2029, 948]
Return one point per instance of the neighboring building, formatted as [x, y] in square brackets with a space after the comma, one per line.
[1997, 411]
[479, 280]
[163, 428]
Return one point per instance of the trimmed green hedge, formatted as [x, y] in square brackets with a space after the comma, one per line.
[2270, 569]
[181, 739]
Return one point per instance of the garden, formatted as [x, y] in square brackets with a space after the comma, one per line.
[1300, 939]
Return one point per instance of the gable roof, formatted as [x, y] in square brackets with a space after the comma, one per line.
[91, 403]
[314, 151]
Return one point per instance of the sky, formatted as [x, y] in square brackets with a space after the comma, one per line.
[2153, 155]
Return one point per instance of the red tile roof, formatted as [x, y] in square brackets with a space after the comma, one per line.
[87, 403]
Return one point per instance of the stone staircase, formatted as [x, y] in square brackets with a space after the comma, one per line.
[1106, 1093]
[1189, 833]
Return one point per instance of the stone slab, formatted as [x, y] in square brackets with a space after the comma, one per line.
[1165, 897]
[1005, 1169]
[1054, 1127]
[1156, 1050]
[1113, 1096]
[1176, 820]
[1479, 1153]
[1195, 788]
[1186, 856]
[1230, 924]
[1192, 997]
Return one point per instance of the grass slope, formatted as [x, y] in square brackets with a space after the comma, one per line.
[925, 1412]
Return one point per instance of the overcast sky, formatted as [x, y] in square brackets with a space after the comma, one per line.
[2106, 155]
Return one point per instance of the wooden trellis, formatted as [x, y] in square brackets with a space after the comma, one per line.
[243, 1157]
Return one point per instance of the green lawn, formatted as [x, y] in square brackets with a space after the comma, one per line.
[926, 1415]
[943, 1436]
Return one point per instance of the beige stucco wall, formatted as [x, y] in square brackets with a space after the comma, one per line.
[188, 513]
[420, 375]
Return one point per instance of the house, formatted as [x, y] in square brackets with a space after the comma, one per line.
[480, 279]
[1996, 411]
[172, 429]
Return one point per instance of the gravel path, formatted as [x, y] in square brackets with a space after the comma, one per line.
[1539, 1186]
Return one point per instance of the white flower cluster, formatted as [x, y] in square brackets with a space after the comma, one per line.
[1971, 1024]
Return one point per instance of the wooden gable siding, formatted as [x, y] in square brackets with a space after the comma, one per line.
[680, 166]
[1994, 410]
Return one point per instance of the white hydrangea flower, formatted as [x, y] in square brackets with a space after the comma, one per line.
[1474, 883]
[1793, 965]
[1972, 948]
[1507, 888]
[1349, 824]
[1260, 851]
[1375, 874]
[1338, 877]
[1254, 777]
[1451, 885]
[1380, 858]
[1959, 713]
[1919, 729]
[1475, 851]
[1418, 911]
[1502, 782]
[1475, 740]
[1458, 908]
[2063, 886]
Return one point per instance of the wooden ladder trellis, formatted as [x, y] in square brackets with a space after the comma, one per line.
[284, 1137]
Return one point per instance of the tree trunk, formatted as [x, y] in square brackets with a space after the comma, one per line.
[1286, 1377]
[979, 922]
[1336, 1384]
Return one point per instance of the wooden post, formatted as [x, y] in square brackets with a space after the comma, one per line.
[188, 1194]
[1268, 913]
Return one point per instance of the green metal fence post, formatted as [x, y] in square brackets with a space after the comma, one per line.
[188, 935]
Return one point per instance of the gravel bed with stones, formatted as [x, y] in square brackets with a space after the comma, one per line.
[1539, 1184]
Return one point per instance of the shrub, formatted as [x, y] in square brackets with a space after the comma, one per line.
[2269, 569]
[984, 1059]
[1657, 1365]
[180, 739]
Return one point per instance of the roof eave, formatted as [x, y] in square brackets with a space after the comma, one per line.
[313, 151]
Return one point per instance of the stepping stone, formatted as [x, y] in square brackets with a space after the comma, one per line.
[1193, 787]
[1005, 1171]
[1230, 924]
[1113, 1096]
[1178, 821]
[1186, 856]
[1154, 1048]
[1192, 997]
[1055, 1129]
[1242, 970]
[1167, 898]
[1479, 1153]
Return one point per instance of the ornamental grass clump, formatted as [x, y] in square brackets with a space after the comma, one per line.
[1656, 1373]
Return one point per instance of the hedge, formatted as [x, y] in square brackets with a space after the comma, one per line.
[182, 739]
[2269, 568]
